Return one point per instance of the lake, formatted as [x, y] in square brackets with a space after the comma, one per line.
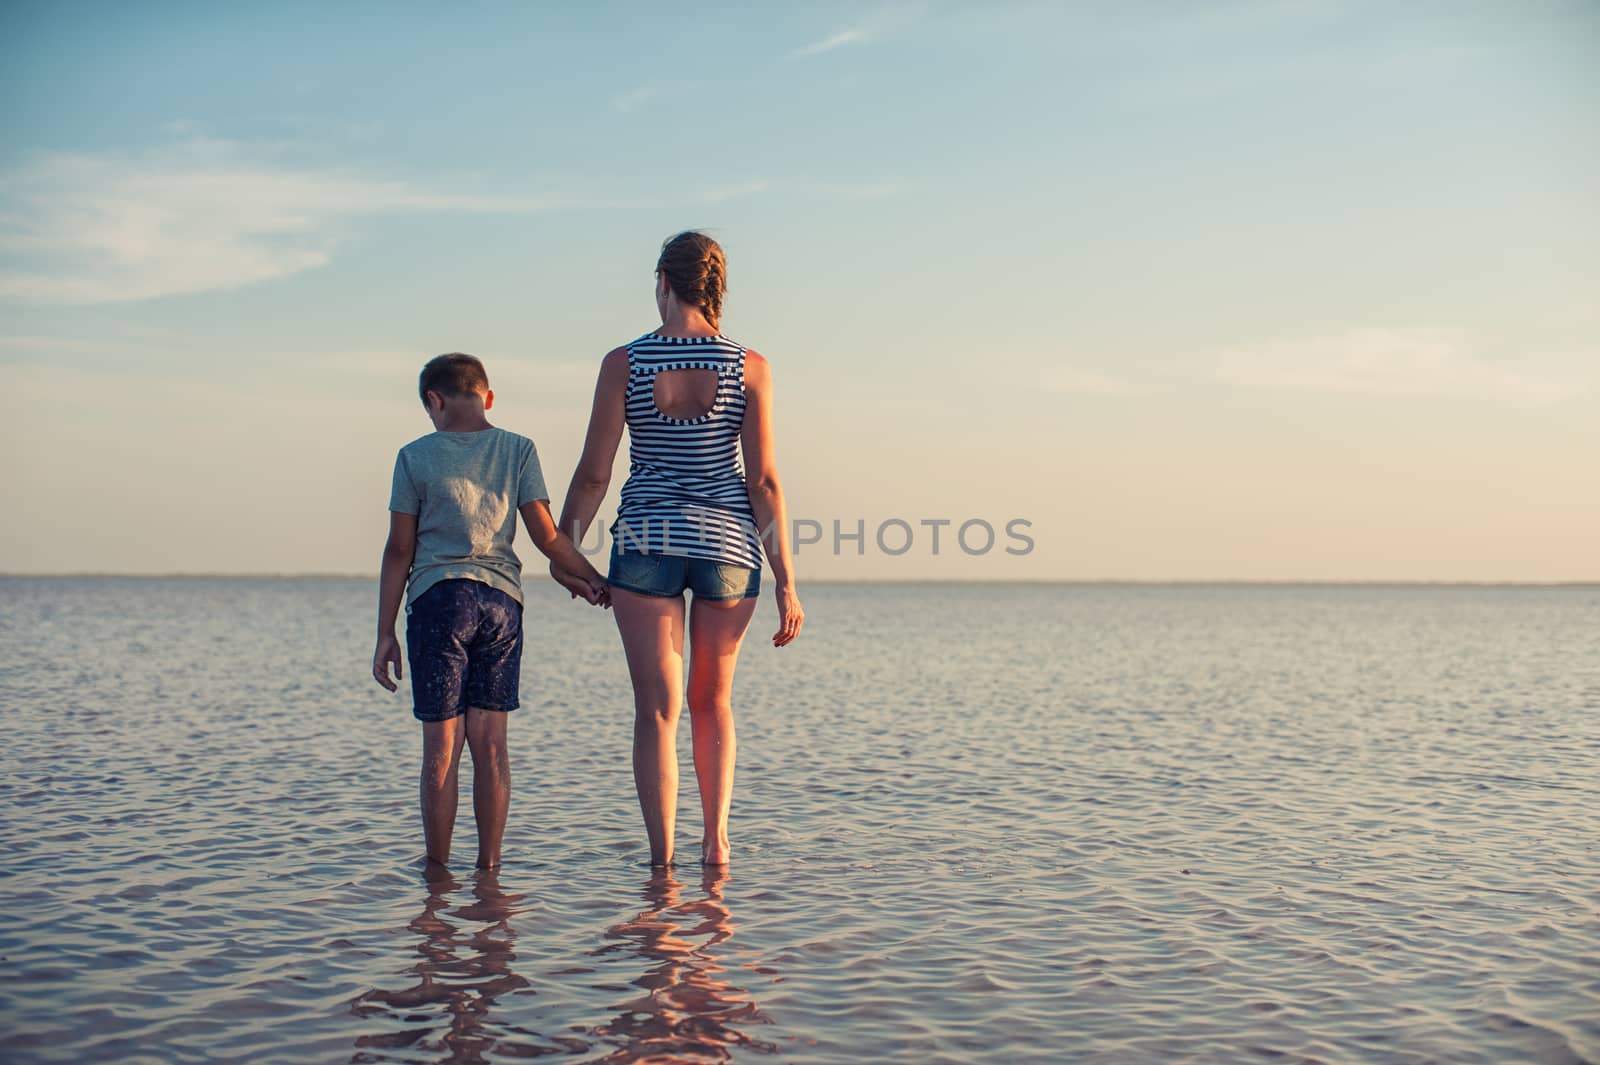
[972, 823]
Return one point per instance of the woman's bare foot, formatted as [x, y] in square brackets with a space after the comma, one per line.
[714, 853]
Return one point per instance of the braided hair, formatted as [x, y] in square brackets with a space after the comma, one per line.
[696, 270]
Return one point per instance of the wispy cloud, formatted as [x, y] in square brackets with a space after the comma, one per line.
[633, 99]
[211, 215]
[841, 39]
[879, 25]
[190, 218]
[1416, 362]
[864, 190]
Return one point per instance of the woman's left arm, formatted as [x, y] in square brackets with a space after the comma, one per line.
[766, 493]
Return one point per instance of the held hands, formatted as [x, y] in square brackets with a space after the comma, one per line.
[592, 590]
[387, 654]
[790, 616]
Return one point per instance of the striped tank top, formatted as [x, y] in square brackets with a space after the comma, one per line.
[685, 493]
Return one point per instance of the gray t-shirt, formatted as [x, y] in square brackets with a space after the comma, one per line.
[465, 489]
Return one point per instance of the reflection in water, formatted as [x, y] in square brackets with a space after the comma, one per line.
[688, 1011]
[459, 976]
[459, 1009]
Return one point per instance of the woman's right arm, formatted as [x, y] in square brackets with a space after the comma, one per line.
[766, 493]
[593, 475]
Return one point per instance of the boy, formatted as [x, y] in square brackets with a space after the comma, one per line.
[453, 514]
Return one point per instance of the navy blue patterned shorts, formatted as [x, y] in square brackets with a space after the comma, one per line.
[464, 644]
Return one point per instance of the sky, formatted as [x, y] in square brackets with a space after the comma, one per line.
[1174, 291]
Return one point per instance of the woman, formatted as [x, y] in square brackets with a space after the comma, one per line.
[688, 520]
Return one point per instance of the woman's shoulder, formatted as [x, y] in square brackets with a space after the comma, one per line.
[622, 351]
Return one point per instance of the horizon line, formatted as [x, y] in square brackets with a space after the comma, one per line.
[1122, 581]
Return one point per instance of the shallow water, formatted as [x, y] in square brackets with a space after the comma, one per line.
[972, 824]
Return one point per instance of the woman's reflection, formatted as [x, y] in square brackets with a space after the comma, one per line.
[688, 1011]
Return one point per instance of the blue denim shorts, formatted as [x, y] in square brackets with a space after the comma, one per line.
[464, 645]
[669, 575]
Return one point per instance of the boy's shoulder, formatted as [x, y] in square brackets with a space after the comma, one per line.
[493, 434]
[517, 439]
[419, 444]
[438, 447]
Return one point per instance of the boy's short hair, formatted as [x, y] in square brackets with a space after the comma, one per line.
[452, 375]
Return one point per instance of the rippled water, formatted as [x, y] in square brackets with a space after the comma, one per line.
[972, 824]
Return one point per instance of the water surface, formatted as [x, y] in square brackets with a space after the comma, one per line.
[972, 824]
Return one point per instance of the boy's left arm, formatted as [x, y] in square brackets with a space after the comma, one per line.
[558, 547]
[398, 553]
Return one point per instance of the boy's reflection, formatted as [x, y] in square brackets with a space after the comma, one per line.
[688, 1011]
[458, 974]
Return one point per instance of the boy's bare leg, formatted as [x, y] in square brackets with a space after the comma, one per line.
[441, 762]
[491, 781]
[715, 632]
[652, 636]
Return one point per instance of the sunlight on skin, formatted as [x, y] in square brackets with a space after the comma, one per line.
[652, 627]
[484, 732]
[653, 640]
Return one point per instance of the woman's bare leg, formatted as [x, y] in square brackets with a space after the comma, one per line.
[715, 632]
[491, 781]
[441, 761]
[652, 636]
